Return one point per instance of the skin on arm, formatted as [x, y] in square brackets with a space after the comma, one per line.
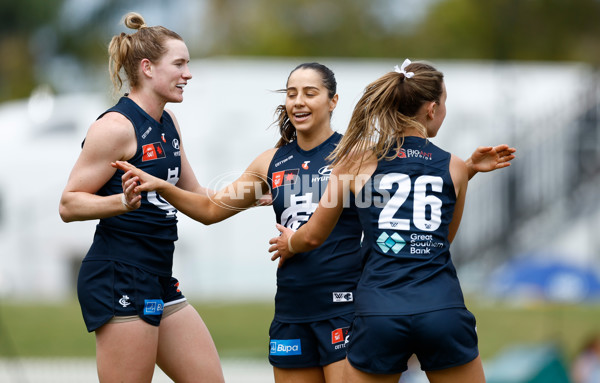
[205, 206]
[459, 174]
[109, 139]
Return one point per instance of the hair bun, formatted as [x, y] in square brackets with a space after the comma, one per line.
[134, 20]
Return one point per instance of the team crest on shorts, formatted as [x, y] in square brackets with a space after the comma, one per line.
[339, 335]
[124, 301]
[343, 297]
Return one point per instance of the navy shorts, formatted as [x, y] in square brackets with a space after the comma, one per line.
[106, 289]
[312, 344]
[440, 339]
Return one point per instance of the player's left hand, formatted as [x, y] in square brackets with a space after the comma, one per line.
[280, 245]
[488, 158]
[132, 199]
[144, 182]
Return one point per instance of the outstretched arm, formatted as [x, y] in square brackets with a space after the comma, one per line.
[459, 173]
[214, 207]
[489, 158]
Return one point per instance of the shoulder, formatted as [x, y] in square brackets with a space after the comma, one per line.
[261, 163]
[285, 150]
[358, 167]
[458, 170]
[457, 162]
[335, 139]
[111, 136]
[266, 157]
[169, 113]
[359, 162]
[113, 125]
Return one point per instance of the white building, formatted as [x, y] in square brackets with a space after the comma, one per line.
[225, 118]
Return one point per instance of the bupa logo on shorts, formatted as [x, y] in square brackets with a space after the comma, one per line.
[343, 297]
[284, 347]
[153, 306]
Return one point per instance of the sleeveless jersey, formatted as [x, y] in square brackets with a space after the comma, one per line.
[405, 209]
[320, 283]
[143, 237]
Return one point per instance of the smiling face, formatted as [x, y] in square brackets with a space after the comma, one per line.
[171, 73]
[307, 102]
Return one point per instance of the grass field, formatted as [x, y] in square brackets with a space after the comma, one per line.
[240, 330]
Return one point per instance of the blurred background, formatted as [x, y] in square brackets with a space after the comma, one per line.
[523, 73]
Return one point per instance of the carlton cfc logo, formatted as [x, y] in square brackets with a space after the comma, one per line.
[153, 151]
[339, 335]
[284, 177]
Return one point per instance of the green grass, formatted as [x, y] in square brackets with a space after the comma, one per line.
[34, 330]
[44, 330]
[241, 329]
[566, 326]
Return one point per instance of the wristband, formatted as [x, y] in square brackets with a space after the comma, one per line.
[124, 202]
[290, 248]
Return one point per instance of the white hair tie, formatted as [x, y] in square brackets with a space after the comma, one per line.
[402, 69]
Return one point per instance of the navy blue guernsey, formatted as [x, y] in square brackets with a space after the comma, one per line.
[143, 237]
[317, 284]
[405, 209]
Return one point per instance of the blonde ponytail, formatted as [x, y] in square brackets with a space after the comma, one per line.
[386, 110]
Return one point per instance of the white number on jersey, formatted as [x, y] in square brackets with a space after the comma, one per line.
[420, 203]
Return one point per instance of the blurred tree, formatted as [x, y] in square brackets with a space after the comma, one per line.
[39, 38]
[329, 28]
[451, 29]
[19, 20]
[546, 30]
[86, 33]
[66, 39]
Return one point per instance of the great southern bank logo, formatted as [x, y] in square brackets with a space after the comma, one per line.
[284, 347]
[387, 243]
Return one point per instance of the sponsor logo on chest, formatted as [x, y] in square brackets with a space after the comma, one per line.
[285, 177]
[153, 151]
